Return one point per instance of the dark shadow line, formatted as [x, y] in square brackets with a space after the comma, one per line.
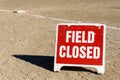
[47, 62]
[81, 69]
[41, 61]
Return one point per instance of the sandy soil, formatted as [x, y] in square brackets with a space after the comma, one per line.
[27, 43]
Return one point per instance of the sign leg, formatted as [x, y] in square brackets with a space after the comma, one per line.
[57, 67]
[100, 69]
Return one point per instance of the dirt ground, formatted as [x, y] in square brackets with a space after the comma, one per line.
[27, 42]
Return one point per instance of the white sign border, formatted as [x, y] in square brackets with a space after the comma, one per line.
[100, 69]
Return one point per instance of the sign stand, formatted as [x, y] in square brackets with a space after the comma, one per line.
[100, 69]
[80, 45]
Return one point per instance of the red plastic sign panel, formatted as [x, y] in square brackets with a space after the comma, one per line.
[80, 45]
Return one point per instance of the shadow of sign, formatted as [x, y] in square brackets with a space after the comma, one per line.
[41, 61]
[78, 69]
[47, 62]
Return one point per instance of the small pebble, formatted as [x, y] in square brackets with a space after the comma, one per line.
[18, 11]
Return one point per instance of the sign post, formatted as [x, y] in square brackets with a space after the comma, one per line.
[80, 45]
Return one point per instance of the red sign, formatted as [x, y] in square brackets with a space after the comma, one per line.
[80, 45]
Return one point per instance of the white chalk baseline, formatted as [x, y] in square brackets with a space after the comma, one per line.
[51, 18]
